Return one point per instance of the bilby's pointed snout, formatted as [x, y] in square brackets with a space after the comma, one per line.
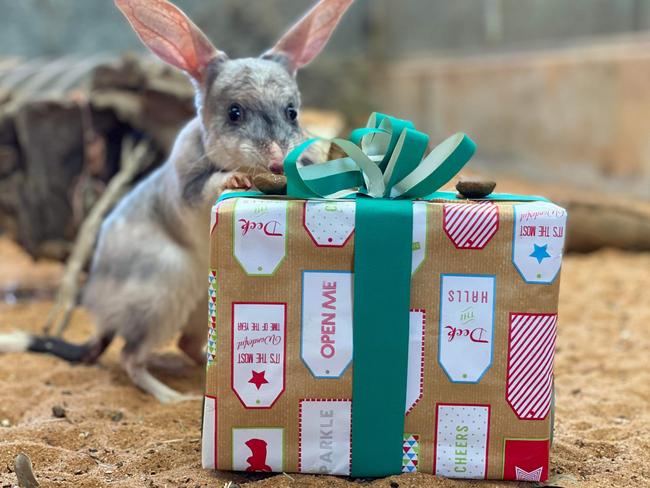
[276, 158]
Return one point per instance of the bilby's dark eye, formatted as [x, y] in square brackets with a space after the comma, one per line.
[235, 113]
[291, 112]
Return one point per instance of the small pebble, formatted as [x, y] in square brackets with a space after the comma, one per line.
[117, 416]
[58, 411]
[271, 184]
[475, 188]
[5, 423]
[394, 484]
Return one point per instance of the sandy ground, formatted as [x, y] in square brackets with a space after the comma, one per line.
[114, 435]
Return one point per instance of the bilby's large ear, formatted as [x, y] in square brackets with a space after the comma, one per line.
[170, 34]
[305, 40]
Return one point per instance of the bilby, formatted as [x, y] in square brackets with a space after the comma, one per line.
[148, 277]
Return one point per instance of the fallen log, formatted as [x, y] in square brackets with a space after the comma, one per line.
[48, 181]
[593, 225]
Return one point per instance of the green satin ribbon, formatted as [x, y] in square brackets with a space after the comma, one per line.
[382, 301]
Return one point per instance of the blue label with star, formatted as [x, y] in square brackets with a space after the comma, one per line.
[538, 241]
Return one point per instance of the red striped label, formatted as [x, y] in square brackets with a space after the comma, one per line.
[471, 225]
[531, 347]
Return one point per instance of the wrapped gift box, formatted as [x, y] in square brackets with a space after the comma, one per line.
[307, 372]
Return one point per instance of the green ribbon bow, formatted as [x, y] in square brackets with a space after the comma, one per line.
[384, 160]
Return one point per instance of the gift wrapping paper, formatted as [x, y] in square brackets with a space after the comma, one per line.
[481, 338]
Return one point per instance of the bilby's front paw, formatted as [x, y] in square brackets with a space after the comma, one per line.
[238, 181]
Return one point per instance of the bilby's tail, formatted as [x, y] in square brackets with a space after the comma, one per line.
[87, 353]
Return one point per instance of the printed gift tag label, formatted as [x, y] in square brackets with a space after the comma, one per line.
[258, 352]
[531, 347]
[329, 224]
[326, 322]
[419, 235]
[462, 433]
[466, 326]
[538, 242]
[415, 367]
[209, 437]
[471, 225]
[258, 450]
[526, 459]
[260, 234]
[325, 436]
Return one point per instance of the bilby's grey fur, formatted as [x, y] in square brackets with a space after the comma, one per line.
[149, 272]
[148, 276]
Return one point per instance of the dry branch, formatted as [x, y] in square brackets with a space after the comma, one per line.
[135, 159]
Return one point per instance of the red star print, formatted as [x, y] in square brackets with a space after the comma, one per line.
[258, 379]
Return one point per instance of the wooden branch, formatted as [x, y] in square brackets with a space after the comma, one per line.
[135, 158]
[25, 472]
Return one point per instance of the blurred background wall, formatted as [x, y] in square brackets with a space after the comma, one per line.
[410, 27]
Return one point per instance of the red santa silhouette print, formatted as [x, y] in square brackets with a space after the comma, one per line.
[257, 461]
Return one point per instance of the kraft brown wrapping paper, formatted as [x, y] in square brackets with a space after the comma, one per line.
[331, 249]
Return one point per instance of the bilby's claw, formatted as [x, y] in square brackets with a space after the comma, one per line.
[238, 181]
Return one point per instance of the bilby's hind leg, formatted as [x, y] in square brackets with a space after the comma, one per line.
[193, 338]
[193, 347]
[137, 370]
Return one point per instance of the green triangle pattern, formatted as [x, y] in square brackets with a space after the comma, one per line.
[411, 448]
[212, 312]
